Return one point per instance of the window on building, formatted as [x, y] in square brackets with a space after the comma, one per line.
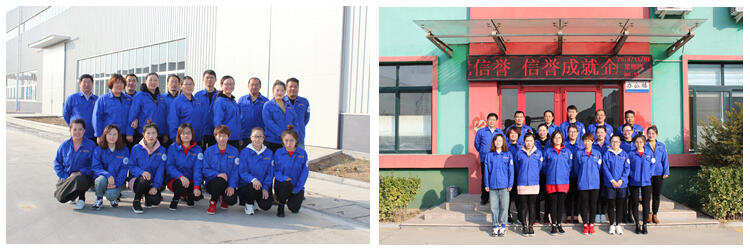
[714, 89]
[405, 108]
[21, 86]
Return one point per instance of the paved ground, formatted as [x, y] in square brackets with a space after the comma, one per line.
[475, 236]
[332, 213]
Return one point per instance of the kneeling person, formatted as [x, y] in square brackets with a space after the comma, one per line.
[110, 165]
[256, 173]
[290, 170]
[184, 167]
[220, 166]
[73, 166]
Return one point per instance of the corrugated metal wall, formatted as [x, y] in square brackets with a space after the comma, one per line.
[355, 77]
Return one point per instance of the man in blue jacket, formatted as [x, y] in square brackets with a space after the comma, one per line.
[482, 143]
[630, 120]
[207, 96]
[601, 117]
[251, 110]
[173, 89]
[520, 119]
[301, 107]
[572, 115]
[81, 105]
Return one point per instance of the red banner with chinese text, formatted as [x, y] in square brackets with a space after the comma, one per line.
[548, 67]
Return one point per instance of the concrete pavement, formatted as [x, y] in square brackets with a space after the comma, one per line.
[332, 212]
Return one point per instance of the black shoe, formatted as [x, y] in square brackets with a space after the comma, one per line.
[531, 230]
[554, 230]
[525, 231]
[190, 202]
[629, 219]
[484, 202]
[280, 211]
[637, 228]
[137, 206]
[560, 229]
[242, 203]
[173, 205]
[644, 230]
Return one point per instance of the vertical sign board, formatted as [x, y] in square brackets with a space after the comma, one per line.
[551, 67]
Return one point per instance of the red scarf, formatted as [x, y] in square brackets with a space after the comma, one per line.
[588, 153]
[558, 149]
[290, 153]
[222, 151]
[640, 154]
[186, 150]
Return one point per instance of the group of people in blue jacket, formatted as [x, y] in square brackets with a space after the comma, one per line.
[248, 150]
[573, 170]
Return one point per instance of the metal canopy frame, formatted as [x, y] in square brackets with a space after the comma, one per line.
[490, 30]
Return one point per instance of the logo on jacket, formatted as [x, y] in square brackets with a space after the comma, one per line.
[200, 156]
[266, 158]
[301, 156]
[125, 160]
[237, 161]
[653, 160]
[163, 157]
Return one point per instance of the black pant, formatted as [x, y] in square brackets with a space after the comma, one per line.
[248, 194]
[72, 187]
[284, 194]
[236, 144]
[216, 187]
[208, 140]
[571, 200]
[646, 194]
[485, 195]
[656, 184]
[588, 204]
[601, 204]
[620, 204]
[556, 203]
[141, 187]
[527, 208]
[179, 191]
[542, 196]
[272, 146]
[516, 202]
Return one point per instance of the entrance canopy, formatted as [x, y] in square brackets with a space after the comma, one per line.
[615, 30]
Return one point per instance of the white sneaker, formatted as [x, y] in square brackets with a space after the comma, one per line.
[496, 231]
[618, 229]
[611, 229]
[249, 209]
[79, 205]
[97, 204]
[501, 233]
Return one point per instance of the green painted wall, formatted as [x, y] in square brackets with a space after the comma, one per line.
[680, 186]
[434, 183]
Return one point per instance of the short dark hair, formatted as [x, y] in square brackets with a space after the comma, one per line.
[491, 115]
[224, 78]
[552, 138]
[209, 72]
[292, 80]
[528, 135]
[84, 76]
[627, 125]
[515, 130]
[553, 114]
[573, 107]
[587, 136]
[153, 74]
[542, 125]
[78, 121]
[131, 74]
[175, 76]
[504, 148]
[600, 127]
[181, 128]
[640, 136]
[629, 112]
[114, 78]
[519, 112]
[254, 78]
[222, 129]
[277, 82]
[653, 127]
[119, 144]
[186, 78]
[613, 136]
[573, 127]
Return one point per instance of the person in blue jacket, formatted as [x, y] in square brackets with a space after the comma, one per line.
[185, 168]
[290, 170]
[661, 170]
[131, 84]
[148, 160]
[557, 167]
[227, 111]
[630, 120]
[112, 108]
[549, 121]
[187, 109]
[528, 165]
[251, 110]
[601, 118]
[81, 105]
[574, 144]
[110, 166]
[542, 143]
[542, 137]
[207, 96]
[642, 164]
[572, 121]
[277, 116]
[221, 170]
[601, 145]
[173, 89]
[256, 173]
[148, 106]
[626, 144]
[615, 171]
[514, 146]
[301, 109]
[519, 117]
[588, 171]
[482, 143]
[73, 166]
[498, 181]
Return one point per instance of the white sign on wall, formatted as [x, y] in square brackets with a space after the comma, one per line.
[637, 86]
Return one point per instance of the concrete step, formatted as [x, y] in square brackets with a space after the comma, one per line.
[470, 202]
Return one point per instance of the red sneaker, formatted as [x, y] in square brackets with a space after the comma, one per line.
[591, 229]
[211, 207]
[586, 229]
[224, 204]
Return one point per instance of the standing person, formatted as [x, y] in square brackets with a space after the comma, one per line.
[573, 144]
[173, 89]
[187, 109]
[81, 105]
[147, 161]
[661, 170]
[498, 181]
[110, 165]
[256, 173]
[185, 167]
[207, 96]
[557, 168]
[251, 110]
[277, 115]
[615, 170]
[482, 143]
[112, 108]
[542, 143]
[529, 163]
[514, 146]
[290, 170]
[227, 112]
[626, 144]
[549, 120]
[220, 168]
[630, 120]
[148, 106]
[572, 116]
[601, 145]
[542, 137]
[519, 117]
[587, 171]
[301, 108]
[642, 165]
[601, 118]
[73, 166]
[131, 84]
